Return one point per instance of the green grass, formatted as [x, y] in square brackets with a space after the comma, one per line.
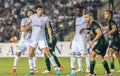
[7, 63]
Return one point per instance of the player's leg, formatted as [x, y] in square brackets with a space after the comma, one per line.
[114, 47]
[32, 48]
[43, 45]
[111, 58]
[87, 59]
[52, 49]
[79, 60]
[57, 61]
[51, 58]
[16, 59]
[35, 64]
[103, 48]
[73, 58]
[72, 61]
[47, 61]
[105, 64]
[21, 48]
[117, 54]
[87, 54]
[92, 63]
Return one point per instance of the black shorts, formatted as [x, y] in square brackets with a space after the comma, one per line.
[115, 45]
[101, 49]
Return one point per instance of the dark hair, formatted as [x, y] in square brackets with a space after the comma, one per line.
[88, 12]
[30, 10]
[38, 6]
[110, 11]
[104, 23]
[79, 6]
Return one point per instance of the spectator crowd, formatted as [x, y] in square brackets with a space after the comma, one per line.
[60, 12]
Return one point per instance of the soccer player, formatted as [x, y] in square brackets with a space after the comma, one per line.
[115, 38]
[79, 43]
[52, 49]
[38, 22]
[98, 43]
[24, 42]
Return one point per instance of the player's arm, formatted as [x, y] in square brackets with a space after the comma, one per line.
[82, 30]
[105, 27]
[89, 34]
[25, 27]
[49, 32]
[83, 27]
[98, 35]
[114, 28]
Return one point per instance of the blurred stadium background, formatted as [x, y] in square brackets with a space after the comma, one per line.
[60, 12]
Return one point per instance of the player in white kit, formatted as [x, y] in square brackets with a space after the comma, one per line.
[38, 22]
[79, 43]
[24, 42]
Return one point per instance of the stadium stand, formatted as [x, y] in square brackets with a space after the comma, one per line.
[60, 13]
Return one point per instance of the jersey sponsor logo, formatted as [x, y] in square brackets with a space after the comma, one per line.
[96, 50]
[37, 25]
[115, 47]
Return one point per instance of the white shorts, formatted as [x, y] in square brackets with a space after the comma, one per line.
[23, 46]
[41, 44]
[79, 46]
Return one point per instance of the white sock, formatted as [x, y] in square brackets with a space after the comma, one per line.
[73, 60]
[87, 58]
[31, 63]
[16, 59]
[79, 60]
[35, 62]
[52, 60]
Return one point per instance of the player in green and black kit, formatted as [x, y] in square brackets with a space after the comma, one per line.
[115, 38]
[52, 49]
[101, 44]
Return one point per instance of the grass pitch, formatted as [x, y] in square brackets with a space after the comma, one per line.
[6, 65]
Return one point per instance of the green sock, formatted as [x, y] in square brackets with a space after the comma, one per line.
[56, 60]
[105, 64]
[92, 65]
[112, 65]
[47, 63]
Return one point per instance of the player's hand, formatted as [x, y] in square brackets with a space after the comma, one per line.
[24, 34]
[91, 44]
[82, 30]
[107, 35]
[50, 41]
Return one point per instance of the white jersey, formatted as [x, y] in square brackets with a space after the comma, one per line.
[23, 23]
[79, 43]
[79, 24]
[38, 27]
